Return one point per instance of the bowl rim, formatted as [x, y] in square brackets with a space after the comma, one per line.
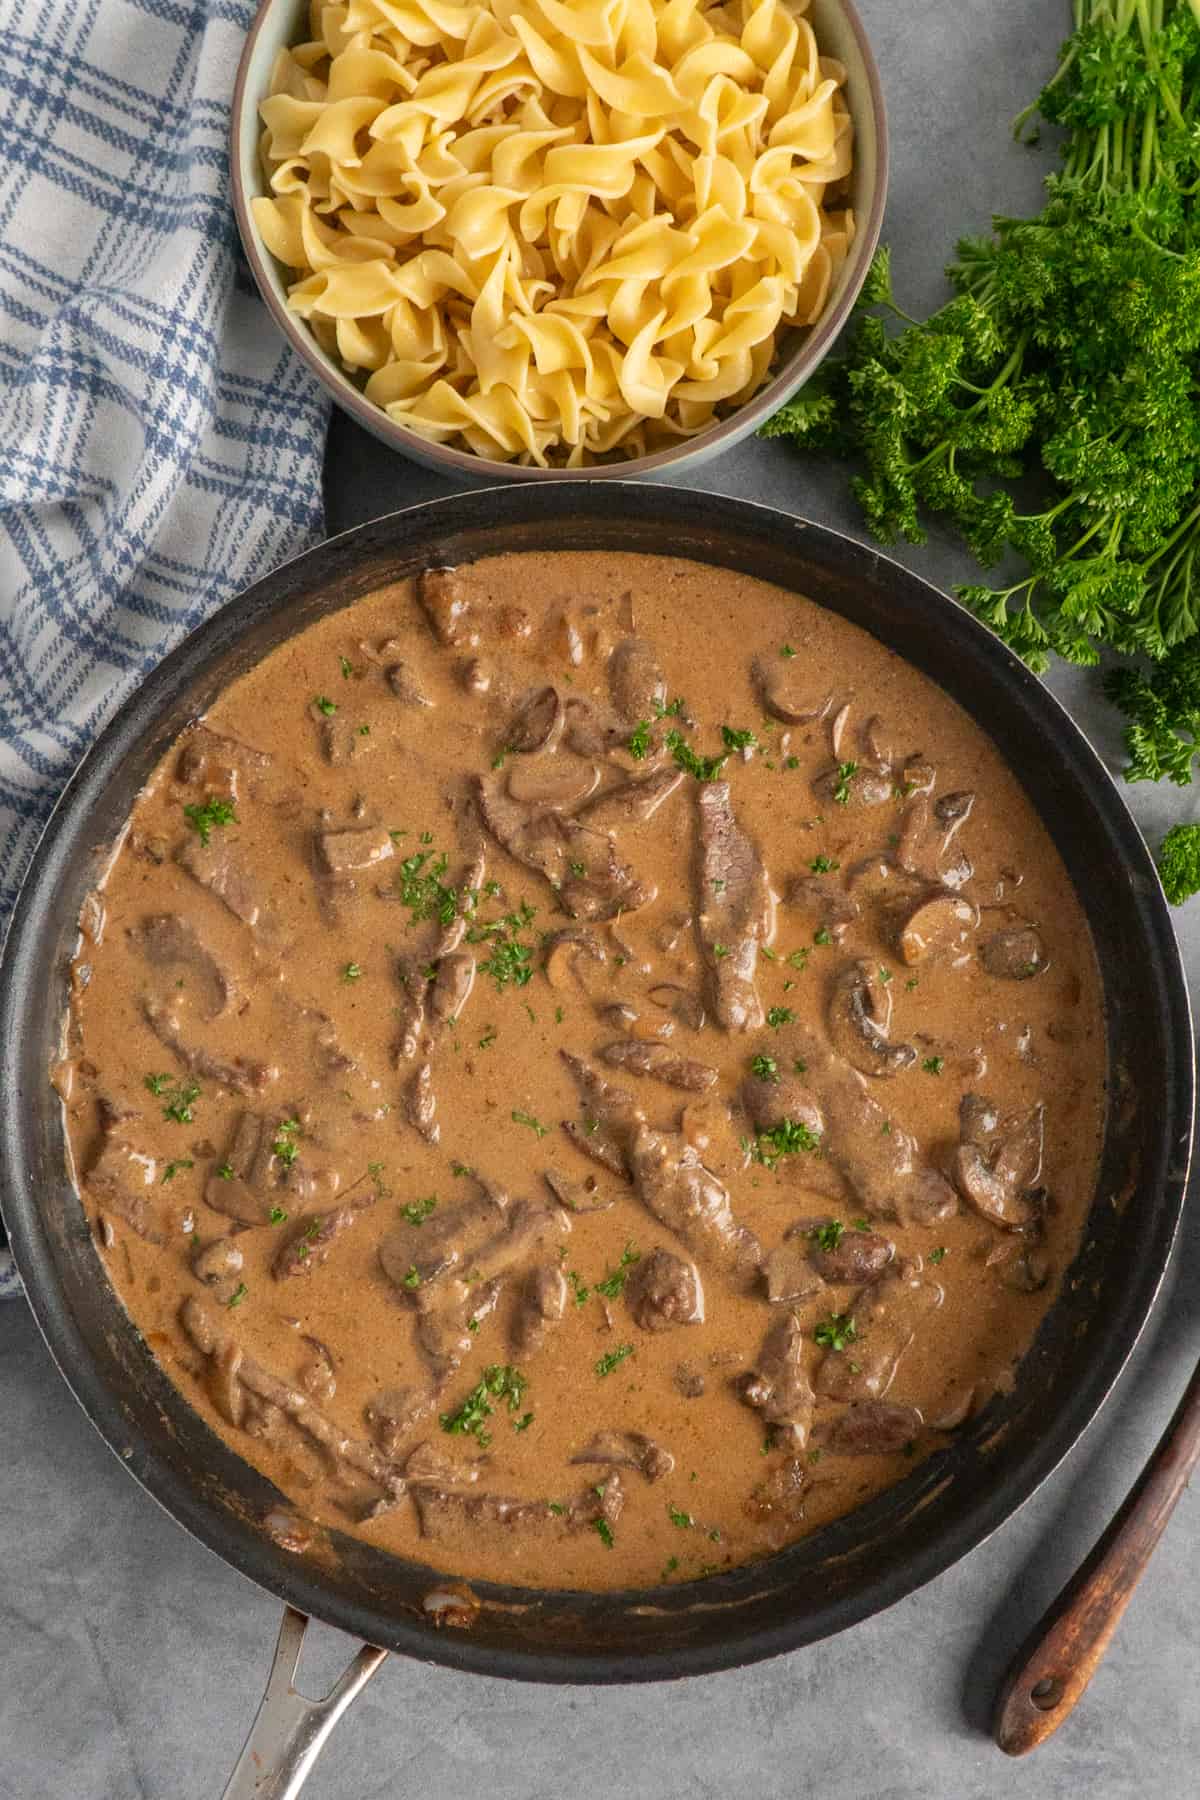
[711, 442]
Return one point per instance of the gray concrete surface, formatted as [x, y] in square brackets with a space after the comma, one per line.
[131, 1660]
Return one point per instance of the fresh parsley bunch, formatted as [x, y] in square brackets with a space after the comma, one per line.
[1070, 352]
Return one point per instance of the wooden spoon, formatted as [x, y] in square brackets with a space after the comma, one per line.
[1054, 1665]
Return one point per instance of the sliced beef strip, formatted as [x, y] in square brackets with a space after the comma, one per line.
[858, 1257]
[578, 1194]
[777, 1501]
[167, 941]
[627, 1450]
[355, 848]
[443, 1512]
[663, 1064]
[882, 1168]
[1017, 953]
[789, 1274]
[778, 1386]
[736, 909]
[780, 686]
[410, 1012]
[451, 987]
[611, 1117]
[558, 849]
[445, 1331]
[885, 1315]
[664, 1291]
[258, 1181]
[769, 1104]
[209, 760]
[121, 1177]
[349, 1457]
[309, 1246]
[690, 1201]
[447, 604]
[393, 1415]
[418, 1103]
[220, 867]
[870, 1428]
[342, 741]
[541, 1302]
[242, 1075]
[587, 734]
[446, 1244]
[825, 900]
[630, 802]
[998, 1162]
[636, 684]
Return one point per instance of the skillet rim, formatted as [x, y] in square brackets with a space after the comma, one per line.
[676, 510]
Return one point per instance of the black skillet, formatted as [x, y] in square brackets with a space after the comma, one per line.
[846, 1571]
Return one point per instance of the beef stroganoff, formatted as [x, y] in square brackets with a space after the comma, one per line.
[584, 1068]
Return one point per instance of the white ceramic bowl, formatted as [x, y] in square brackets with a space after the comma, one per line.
[840, 33]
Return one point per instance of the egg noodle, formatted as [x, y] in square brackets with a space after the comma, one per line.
[553, 230]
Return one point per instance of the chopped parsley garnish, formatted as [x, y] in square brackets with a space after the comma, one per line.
[225, 1171]
[822, 935]
[798, 960]
[523, 1423]
[203, 817]
[737, 740]
[364, 731]
[554, 1507]
[861, 1224]
[423, 891]
[765, 950]
[765, 1067]
[417, 1211]
[933, 1065]
[508, 959]
[500, 1382]
[498, 759]
[612, 1359]
[352, 971]
[180, 1097]
[669, 712]
[524, 1118]
[786, 650]
[704, 768]
[285, 1146]
[938, 1255]
[885, 975]
[325, 705]
[277, 1216]
[603, 1531]
[836, 1331]
[669, 1567]
[789, 1138]
[791, 762]
[912, 982]
[347, 667]
[639, 739]
[458, 1168]
[800, 1066]
[413, 1278]
[488, 1038]
[823, 865]
[238, 1295]
[578, 868]
[720, 951]
[780, 1015]
[829, 1235]
[172, 1169]
[683, 1520]
[841, 787]
[582, 1293]
[615, 1280]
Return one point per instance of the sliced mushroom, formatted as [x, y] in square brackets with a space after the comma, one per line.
[561, 782]
[565, 952]
[218, 1263]
[779, 683]
[635, 681]
[537, 723]
[859, 1015]
[405, 686]
[1015, 954]
[687, 1008]
[938, 927]
[997, 1164]
[577, 1194]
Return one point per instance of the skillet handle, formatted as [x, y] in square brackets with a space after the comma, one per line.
[289, 1730]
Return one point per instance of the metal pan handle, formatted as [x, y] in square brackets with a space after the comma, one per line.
[289, 1730]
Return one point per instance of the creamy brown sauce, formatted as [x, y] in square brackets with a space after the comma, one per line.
[273, 1071]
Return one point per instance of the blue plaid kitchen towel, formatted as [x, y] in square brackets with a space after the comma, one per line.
[159, 446]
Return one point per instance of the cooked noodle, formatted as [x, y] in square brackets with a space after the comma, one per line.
[554, 230]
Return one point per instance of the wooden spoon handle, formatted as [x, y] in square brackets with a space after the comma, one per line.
[1053, 1667]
